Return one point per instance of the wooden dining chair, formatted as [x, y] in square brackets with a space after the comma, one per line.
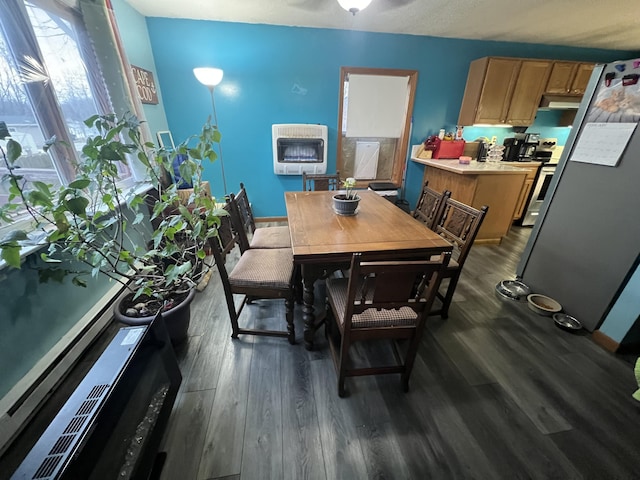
[458, 224]
[317, 182]
[263, 237]
[260, 273]
[430, 206]
[381, 299]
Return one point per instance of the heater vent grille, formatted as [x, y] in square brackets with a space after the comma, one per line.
[62, 444]
[60, 449]
[48, 467]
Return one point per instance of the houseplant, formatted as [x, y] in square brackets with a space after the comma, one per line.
[346, 203]
[144, 238]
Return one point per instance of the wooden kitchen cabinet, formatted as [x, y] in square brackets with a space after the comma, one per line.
[490, 84]
[581, 79]
[503, 91]
[528, 91]
[561, 78]
[497, 185]
[569, 78]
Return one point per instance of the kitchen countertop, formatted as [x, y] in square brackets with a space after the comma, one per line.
[473, 168]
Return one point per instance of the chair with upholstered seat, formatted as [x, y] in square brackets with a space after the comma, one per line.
[381, 299]
[320, 182]
[263, 237]
[430, 206]
[260, 273]
[459, 224]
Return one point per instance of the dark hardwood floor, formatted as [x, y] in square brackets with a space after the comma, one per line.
[497, 392]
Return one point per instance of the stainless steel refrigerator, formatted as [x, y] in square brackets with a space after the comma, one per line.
[586, 241]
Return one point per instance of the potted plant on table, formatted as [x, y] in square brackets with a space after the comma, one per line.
[346, 203]
[145, 238]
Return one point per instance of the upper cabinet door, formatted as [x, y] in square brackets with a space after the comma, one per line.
[490, 84]
[583, 74]
[528, 91]
[499, 82]
[561, 78]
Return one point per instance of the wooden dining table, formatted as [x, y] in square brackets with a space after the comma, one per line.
[324, 242]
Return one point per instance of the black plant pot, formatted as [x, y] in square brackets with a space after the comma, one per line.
[176, 319]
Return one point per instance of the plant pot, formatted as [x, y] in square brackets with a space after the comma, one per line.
[176, 319]
[345, 206]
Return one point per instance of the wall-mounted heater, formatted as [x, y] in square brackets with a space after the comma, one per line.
[112, 424]
[299, 148]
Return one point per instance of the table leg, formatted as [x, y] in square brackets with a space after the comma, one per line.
[309, 277]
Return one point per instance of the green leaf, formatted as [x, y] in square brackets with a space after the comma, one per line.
[42, 187]
[139, 218]
[14, 150]
[4, 131]
[91, 120]
[77, 205]
[80, 184]
[144, 159]
[11, 255]
[47, 259]
[170, 274]
[36, 197]
[195, 153]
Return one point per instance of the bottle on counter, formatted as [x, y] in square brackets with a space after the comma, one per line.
[441, 134]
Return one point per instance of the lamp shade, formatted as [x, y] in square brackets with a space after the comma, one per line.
[354, 6]
[208, 76]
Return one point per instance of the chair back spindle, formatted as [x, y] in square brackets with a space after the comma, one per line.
[320, 182]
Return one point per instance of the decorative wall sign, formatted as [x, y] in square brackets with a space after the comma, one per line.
[146, 85]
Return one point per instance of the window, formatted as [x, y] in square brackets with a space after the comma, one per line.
[48, 86]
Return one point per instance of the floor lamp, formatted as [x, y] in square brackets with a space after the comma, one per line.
[210, 77]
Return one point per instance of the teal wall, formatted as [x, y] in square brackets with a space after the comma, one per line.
[135, 38]
[625, 312]
[275, 74]
[34, 316]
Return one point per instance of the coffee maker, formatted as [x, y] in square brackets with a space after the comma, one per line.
[521, 147]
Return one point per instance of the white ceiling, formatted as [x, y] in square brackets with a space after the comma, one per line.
[608, 24]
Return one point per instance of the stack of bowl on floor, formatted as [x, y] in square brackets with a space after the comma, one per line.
[517, 291]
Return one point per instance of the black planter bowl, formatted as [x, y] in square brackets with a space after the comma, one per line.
[176, 319]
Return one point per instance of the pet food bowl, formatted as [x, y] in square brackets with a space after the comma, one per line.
[512, 290]
[543, 305]
[567, 322]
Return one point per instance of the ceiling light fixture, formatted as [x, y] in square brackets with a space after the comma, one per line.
[354, 6]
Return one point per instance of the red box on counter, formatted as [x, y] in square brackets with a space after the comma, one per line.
[449, 149]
